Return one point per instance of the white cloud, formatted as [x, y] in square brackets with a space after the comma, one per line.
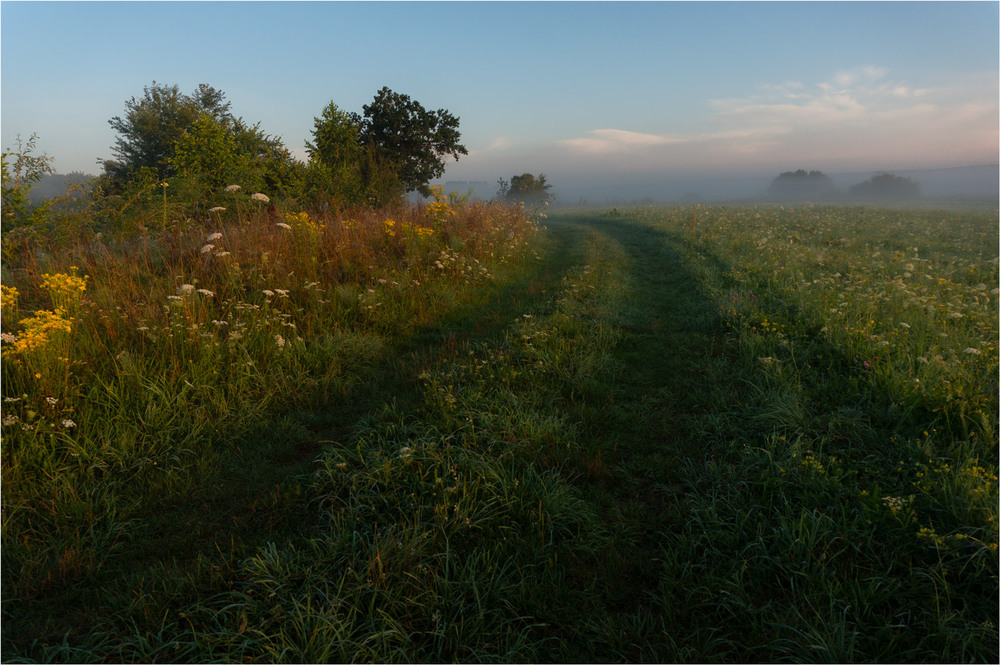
[499, 143]
[857, 118]
[612, 141]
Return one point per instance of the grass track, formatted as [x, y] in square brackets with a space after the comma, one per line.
[647, 450]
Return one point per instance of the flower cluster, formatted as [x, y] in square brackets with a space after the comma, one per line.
[38, 330]
[65, 289]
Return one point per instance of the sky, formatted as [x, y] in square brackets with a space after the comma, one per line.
[575, 90]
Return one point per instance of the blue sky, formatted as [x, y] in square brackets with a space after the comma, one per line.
[563, 88]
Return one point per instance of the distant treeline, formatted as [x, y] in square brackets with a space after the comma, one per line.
[805, 185]
[55, 185]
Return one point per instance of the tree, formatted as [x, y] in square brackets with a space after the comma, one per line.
[886, 186]
[167, 134]
[409, 139]
[525, 188]
[802, 185]
[341, 168]
[152, 125]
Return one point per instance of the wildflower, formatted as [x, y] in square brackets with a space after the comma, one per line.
[207, 248]
[185, 288]
[10, 420]
[7, 338]
[68, 424]
[174, 298]
[217, 209]
[65, 289]
[260, 197]
[8, 299]
[222, 254]
[280, 341]
[282, 292]
[214, 236]
[38, 329]
[233, 188]
[206, 292]
[268, 292]
[904, 325]
[282, 225]
[954, 315]
[51, 400]
[971, 351]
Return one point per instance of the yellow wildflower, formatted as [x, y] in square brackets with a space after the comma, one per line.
[37, 330]
[65, 289]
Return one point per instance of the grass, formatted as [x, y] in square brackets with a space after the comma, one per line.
[670, 434]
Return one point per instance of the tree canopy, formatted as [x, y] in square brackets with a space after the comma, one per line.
[396, 146]
[167, 133]
[412, 139]
[525, 188]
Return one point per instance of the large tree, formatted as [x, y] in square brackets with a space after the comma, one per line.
[413, 140]
[151, 126]
[167, 133]
[342, 169]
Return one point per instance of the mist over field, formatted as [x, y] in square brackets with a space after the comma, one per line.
[968, 183]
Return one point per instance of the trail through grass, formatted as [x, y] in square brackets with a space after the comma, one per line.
[591, 460]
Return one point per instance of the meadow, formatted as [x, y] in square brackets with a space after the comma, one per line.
[461, 431]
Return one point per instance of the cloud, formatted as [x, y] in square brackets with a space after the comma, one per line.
[499, 143]
[857, 117]
[616, 141]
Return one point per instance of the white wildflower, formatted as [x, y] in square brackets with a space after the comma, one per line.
[206, 292]
[217, 209]
[7, 338]
[260, 197]
[282, 292]
[10, 420]
[268, 292]
[185, 288]
[214, 236]
[51, 400]
[282, 225]
[233, 188]
[971, 351]
[222, 254]
[68, 424]
[904, 325]
[280, 341]
[954, 315]
[207, 248]
[11, 399]
[174, 298]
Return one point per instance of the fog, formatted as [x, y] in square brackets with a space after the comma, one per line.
[973, 183]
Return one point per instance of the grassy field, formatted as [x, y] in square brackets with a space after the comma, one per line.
[444, 433]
